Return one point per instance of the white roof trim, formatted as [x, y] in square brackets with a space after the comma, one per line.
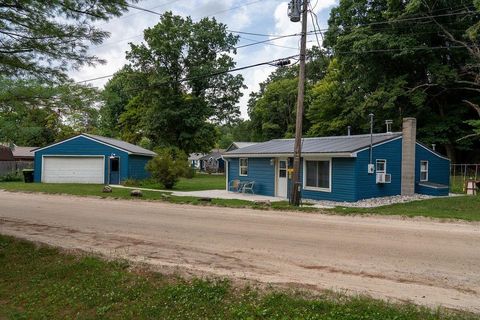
[377, 144]
[280, 155]
[84, 136]
[431, 151]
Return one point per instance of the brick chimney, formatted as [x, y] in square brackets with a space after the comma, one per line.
[409, 131]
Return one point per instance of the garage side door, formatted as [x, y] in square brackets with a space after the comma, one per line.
[73, 170]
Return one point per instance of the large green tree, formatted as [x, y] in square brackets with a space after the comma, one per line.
[44, 38]
[185, 88]
[35, 114]
[272, 109]
[400, 58]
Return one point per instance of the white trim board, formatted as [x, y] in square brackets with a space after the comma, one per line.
[84, 136]
[376, 145]
[432, 152]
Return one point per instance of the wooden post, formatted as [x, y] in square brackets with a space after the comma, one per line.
[295, 190]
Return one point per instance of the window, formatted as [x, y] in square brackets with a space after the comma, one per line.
[282, 169]
[381, 166]
[115, 164]
[423, 170]
[243, 163]
[317, 174]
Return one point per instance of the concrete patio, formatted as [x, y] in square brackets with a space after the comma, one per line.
[218, 194]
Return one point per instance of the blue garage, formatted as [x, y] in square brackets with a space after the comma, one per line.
[343, 168]
[88, 158]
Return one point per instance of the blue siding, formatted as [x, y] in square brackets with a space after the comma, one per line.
[431, 191]
[367, 185]
[82, 146]
[438, 171]
[343, 186]
[136, 167]
[259, 170]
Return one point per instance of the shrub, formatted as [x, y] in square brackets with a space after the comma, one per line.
[190, 173]
[12, 176]
[168, 166]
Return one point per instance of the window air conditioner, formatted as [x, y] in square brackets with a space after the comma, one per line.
[384, 178]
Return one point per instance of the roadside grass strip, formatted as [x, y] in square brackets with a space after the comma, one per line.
[40, 282]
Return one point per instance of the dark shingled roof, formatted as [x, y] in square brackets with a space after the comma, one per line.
[337, 144]
[122, 145]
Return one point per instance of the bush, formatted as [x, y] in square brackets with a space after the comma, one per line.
[190, 173]
[12, 176]
[168, 166]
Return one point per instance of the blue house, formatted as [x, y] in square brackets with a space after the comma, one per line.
[87, 158]
[344, 168]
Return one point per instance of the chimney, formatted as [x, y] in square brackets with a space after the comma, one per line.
[409, 133]
[388, 123]
[349, 128]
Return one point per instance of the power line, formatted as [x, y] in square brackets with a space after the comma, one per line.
[270, 44]
[207, 75]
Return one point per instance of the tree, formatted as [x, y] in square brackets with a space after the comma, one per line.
[36, 114]
[272, 109]
[168, 166]
[395, 61]
[44, 38]
[187, 89]
[116, 95]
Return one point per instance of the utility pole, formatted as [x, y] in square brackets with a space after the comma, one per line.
[295, 195]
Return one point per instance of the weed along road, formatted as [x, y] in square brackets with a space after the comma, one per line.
[427, 262]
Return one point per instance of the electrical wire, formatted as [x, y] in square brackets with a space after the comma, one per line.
[207, 75]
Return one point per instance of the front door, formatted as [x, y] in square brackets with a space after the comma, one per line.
[282, 178]
[114, 170]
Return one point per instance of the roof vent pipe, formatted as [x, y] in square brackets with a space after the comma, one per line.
[388, 123]
[433, 146]
[349, 129]
[370, 164]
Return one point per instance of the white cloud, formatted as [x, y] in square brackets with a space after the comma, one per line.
[266, 17]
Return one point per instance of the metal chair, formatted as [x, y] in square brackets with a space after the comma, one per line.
[248, 187]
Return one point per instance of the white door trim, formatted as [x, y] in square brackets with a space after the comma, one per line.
[278, 189]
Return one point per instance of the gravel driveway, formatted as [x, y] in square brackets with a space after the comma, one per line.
[423, 261]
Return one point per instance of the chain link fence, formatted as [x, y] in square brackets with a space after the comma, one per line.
[459, 173]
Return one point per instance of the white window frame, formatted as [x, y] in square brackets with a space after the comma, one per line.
[304, 182]
[240, 167]
[426, 171]
[384, 166]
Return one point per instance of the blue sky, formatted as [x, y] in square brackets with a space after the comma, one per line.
[266, 17]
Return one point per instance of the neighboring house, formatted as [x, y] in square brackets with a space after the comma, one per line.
[213, 162]
[339, 168]
[237, 145]
[6, 154]
[23, 153]
[88, 158]
[194, 160]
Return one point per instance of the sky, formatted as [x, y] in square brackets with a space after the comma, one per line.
[255, 16]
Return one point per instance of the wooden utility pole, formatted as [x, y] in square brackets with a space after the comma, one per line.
[295, 190]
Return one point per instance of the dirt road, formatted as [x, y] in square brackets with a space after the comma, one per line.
[426, 262]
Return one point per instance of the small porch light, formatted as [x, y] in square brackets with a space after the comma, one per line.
[113, 156]
[272, 161]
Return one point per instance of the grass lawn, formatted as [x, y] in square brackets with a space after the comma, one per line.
[38, 282]
[461, 207]
[199, 182]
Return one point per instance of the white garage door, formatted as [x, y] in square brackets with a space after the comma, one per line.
[73, 170]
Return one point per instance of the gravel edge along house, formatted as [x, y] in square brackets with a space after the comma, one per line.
[344, 168]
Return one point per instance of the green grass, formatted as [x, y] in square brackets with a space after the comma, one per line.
[38, 282]
[197, 183]
[460, 207]
[96, 190]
